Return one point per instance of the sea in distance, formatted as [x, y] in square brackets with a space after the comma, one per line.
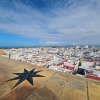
[9, 47]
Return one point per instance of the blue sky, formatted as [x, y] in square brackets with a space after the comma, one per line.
[49, 22]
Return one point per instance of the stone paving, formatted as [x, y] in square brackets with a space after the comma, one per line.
[54, 86]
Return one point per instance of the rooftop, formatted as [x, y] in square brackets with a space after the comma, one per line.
[54, 86]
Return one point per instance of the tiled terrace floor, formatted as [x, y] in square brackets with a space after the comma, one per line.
[54, 86]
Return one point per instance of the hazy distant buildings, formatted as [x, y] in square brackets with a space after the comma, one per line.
[60, 59]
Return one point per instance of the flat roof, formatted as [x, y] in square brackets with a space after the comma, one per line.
[55, 85]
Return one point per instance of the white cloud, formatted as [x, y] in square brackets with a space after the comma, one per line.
[75, 21]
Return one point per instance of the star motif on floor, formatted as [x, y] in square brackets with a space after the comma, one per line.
[26, 75]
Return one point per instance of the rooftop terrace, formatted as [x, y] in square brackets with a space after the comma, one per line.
[54, 86]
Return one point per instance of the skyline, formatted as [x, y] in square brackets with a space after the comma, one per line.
[49, 22]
